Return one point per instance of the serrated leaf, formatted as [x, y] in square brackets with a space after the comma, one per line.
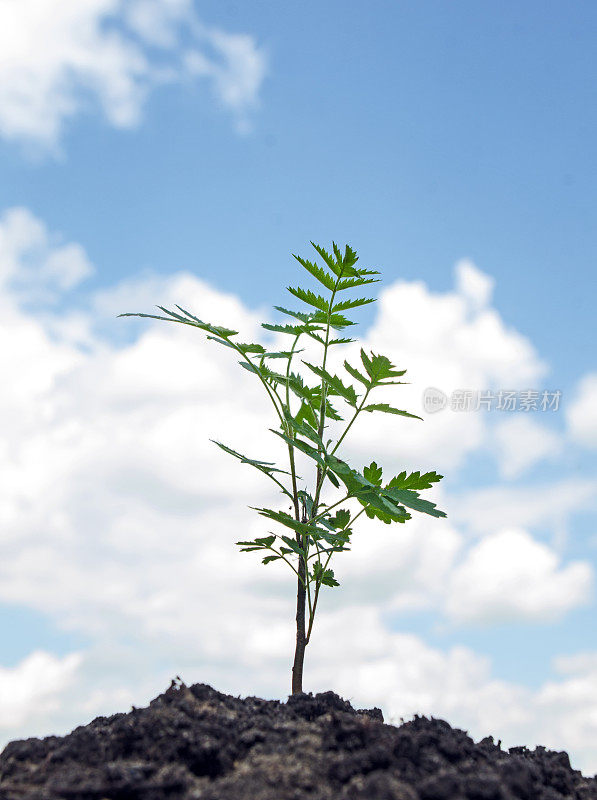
[414, 481]
[412, 500]
[266, 541]
[283, 518]
[344, 305]
[341, 518]
[244, 348]
[304, 429]
[264, 466]
[347, 392]
[306, 413]
[282, 354]
[375, 513]
[353, 283]
[379, 367]
[333, 479]
[326, 577]
[389, 410]
[318, 272]
[329, 260]
[307, 296]
[304, 447]
[302, 315]
[295, 546]
[373, 473]
[337, 321]
[267, 559]
[357, 375]
[219, 329]
[385, 505]
[291, 329]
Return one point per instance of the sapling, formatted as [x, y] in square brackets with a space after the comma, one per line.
[318, 526]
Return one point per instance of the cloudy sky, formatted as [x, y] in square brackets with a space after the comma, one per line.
[166, 151]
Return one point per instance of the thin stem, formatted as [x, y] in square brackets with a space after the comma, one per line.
[318, 583]
[270, 392]
[349, 426]
[291, 434]
[322, 470]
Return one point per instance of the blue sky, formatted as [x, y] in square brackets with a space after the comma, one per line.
[155, 151]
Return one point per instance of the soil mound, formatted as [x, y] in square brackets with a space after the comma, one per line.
[194, 743]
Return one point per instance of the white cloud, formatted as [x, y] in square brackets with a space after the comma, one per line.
[474, 285]
[511, 577]
[59, 58]
[118, 517]
[491, 508]
[450, 341]
[521, 442]
[582, 412]
[35, 264]
[29, 691]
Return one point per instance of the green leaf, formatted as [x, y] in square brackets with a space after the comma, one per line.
[353, 480]
[302, 315]
[318, 272]
[352, 283]
[329, 260]
[366, 362]
[337, 321]
[264, 466]
[389, 410]
[341, 519]
[412, 500]
[218, 329]
[414, 481]
[333, 479]
[304, 428]
[267, 559]
[306, 413]
[347, 392]
[379, 367]
[282, 354]
[304, 447]
[244, 348]
[266, 541]
[294, 545]
[357, 375]
[307, 296]
[291, 329]
[381, 503]
[350, 257]
[373, 473]
[375, 513]
[344, 305]
[325, 577]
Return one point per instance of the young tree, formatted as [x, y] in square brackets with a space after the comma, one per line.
[317, 528]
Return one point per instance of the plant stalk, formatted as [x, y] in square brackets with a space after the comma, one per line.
[301, 641]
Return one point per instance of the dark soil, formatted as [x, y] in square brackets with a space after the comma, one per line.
[194, 742]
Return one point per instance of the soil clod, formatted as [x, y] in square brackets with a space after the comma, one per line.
[195, 743]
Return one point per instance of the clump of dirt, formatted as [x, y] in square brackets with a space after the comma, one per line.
[194, 743]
